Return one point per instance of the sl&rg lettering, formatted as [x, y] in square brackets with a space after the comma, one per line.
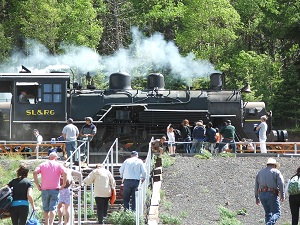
[40, 112]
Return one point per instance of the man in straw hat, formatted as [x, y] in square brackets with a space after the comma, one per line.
[269, 189]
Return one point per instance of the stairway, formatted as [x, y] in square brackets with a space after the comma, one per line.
[111, 208]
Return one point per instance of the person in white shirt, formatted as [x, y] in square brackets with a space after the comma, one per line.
[262, 134]
[70, 133]
[132, 172]
[39, 138]
[171, 139]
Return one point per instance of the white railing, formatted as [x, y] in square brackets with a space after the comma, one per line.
[141, 192]
[110, 161]
[286, 148]
[77, 155]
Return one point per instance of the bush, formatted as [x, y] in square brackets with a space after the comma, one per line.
[169, 219]
[123, 218]
[167, 160]
[228, 217]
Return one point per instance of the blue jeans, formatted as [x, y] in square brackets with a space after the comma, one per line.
[197, 145]
[270, 202]
[70, 146]
[187, 146]
[50, 199]
[230, 142]
[130, 186]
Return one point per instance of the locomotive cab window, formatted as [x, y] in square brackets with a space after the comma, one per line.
[27, 92]
[52, 93]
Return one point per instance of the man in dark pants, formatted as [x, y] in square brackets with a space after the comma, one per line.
[132, 171]
[228, 132]
[268, 183]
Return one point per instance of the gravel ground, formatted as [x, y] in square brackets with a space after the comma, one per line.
[196, 187]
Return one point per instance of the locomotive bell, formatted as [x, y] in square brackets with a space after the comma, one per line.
[246, 88]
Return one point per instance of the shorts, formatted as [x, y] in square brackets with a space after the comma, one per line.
[171, 144]
[64, 196]
[50, 199]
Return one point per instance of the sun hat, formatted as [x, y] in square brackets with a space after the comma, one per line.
[272, 161]
[89, 118]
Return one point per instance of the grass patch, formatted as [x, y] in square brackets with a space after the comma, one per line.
[169, 219]
[204, 155]
[167, 160]
[123, 218]
[166, 218]
[228, 217]
[227, 154]
[8, 168]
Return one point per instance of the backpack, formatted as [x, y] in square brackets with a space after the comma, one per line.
[177, 134]
[294, 186]
[5, 201]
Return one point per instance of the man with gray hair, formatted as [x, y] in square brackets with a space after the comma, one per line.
[70, 133]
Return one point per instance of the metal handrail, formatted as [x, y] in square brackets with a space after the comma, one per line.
[141, 192]
[296, 146]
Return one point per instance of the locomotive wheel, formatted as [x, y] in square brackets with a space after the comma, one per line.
[106, 147]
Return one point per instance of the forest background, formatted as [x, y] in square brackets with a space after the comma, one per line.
[248, 41]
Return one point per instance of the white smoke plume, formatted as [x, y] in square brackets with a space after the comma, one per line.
[143, 56]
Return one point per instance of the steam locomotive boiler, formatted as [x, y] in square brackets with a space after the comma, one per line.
[133, 116]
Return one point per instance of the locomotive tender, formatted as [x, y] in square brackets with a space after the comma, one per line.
[133, 116]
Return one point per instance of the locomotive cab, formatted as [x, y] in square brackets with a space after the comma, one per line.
[35, 99]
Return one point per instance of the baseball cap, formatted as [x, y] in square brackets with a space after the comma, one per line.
[134, 153]
[70, 120]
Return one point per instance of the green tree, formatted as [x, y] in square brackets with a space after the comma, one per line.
[53, 22]
[259, 70]
[286, 101]
[5, 45]
[162, 16]
[116, 25]
[208, 28]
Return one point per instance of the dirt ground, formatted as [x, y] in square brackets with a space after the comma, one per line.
[197, 187]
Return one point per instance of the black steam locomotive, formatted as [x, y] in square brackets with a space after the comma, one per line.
[133, 116]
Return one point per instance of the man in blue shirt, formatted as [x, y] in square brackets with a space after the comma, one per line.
[87, 132]
[132, 172]
[198, 137]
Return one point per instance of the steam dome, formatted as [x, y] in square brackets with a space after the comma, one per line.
[120, 81]
[155, 80]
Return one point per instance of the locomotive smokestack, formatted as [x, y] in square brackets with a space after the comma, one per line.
[216, 81]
